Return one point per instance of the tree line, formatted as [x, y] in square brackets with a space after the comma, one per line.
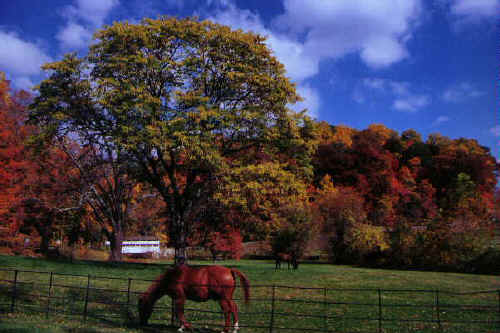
[182, 128]
[429, 202]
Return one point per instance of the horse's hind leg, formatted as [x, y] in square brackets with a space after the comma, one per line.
[226, 308]
[234, 311]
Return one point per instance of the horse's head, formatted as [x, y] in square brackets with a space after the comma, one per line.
[145, 309]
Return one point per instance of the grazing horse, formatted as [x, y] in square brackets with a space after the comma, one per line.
[289, 258]
[197, 284]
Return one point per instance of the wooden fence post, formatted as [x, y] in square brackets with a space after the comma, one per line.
[128, 292]
[86, 299]
[498, 323]
[271, 324]
[438, 310]
[325, 308]
[14, 293]
[172, 316]
[48, 297]
[379, 310]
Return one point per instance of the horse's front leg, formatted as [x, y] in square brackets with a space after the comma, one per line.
[179, 311]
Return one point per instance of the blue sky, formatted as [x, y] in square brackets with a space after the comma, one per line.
[427, 65]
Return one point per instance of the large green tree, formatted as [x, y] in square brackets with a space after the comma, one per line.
[187, 102]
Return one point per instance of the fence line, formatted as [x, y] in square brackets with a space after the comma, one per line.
[323, 310]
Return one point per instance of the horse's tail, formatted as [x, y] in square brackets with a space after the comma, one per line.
[245, 283]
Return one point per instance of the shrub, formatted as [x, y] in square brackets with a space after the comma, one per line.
[439, 244]
[486, 263]
[366, 241]
[339, 209]
[295, 232]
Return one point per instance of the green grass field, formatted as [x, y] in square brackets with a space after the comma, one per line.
[340, 299]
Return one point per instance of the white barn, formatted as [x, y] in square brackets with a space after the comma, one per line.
[141, 246]
[138, 245]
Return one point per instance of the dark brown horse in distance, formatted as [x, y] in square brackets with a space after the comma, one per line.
[197, 284]
[289, 258]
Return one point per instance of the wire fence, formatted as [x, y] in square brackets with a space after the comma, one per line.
[273, 308]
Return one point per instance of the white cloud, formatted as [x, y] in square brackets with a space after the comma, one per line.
[311, 100]
[291, 53]
[376, 29]
[23, 82]
[411, 103]
[315, 30]
[74, 36]
[20, 58]
[374, 83]
[91, 11]
[298, 64]
[407, 100]
[439, 120]
[461, 92]
[474, 9]
[83, 17]
[400, 88]
[466, 13]
[382, 52]
[495, 130]
[402, 94]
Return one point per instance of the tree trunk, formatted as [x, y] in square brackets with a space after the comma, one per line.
[181, 249]
[178, 234]
[115, 242]
[44, 242]
[180, 256]
[43, 227]
[213, 251]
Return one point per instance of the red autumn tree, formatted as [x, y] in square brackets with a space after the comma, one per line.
[227, 241]
[217, 229]
[13, 162]
[37, 187]
[147, 213]
[50, 192]
[340, 208]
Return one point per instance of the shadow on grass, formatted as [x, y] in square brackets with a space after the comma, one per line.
[129, 320]
[169, 328]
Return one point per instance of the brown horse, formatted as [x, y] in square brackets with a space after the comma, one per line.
[197, 284]
[282, 257]
[289, 258]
